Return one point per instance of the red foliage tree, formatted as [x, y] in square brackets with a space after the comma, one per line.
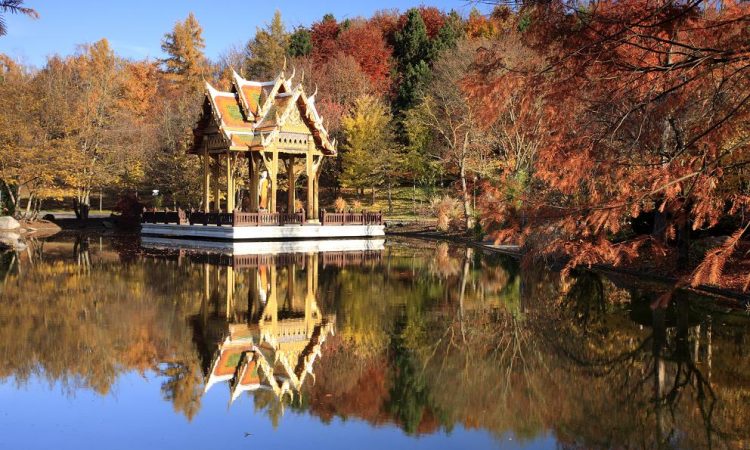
[365, 42]
[648, 104]
[324, 35]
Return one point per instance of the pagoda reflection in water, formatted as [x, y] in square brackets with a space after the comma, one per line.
[272, 340]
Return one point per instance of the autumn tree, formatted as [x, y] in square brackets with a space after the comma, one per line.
[185, 64]
[365, 42]
[25, 162]
[452, 119]
[324, 35]
[517, 130]
[646, 122]
[266, 52]
[137, 105]
[79, 94]
[170, 169]
[368, 145]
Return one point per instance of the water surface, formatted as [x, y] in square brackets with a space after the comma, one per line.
[110, 343]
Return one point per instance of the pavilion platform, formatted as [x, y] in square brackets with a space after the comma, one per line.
[243, 248]
[241, 226]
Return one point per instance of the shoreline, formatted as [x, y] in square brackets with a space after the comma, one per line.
[514, 251]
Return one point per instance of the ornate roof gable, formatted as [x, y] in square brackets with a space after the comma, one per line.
[251, 116]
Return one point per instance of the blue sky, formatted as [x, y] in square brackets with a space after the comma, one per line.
[135, 27]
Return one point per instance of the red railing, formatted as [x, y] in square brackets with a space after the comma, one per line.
[249, 219]
[351, 218]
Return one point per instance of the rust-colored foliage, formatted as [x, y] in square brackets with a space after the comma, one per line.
[644, 111]
[366, 43]
[324, 36]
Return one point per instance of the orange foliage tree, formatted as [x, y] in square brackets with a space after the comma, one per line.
[647, 106]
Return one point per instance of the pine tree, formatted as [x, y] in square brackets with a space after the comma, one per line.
[186, 64]
[300, 43]
[266, 52]
[450, 33]
[413, 51]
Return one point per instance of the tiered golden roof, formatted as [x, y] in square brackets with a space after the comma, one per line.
[256, 113]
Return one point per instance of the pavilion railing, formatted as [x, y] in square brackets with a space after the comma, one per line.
[249, 219]
[351, 218]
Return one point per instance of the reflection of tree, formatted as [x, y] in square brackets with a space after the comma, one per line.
[82, 328]
[183, 386]
[580, 367]
[477, 343]
[651, 375]
[409, 400]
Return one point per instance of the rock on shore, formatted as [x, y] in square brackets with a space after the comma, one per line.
[10, 234]
[8, 223]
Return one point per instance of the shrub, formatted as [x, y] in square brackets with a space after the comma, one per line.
[448, 212]
[357, 205]
[339, 204]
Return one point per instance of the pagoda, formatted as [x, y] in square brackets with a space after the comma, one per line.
[267, 126]
[260, 124]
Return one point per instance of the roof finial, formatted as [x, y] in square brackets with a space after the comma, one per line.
[302, 77]
[283, 69]
[294, 71]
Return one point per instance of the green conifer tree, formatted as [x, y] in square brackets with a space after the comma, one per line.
[300, 43]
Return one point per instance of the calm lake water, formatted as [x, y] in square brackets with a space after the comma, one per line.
[112, 343]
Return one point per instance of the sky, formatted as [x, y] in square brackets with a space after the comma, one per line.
[135, 28]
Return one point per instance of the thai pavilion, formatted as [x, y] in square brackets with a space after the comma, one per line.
[260, 124]
[273, 128]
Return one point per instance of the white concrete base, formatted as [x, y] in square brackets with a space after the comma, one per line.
[263, 233]
[265, 247]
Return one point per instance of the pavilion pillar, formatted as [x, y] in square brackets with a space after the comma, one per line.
[230, 184]
[292, 181]
[217, 190]
[291, 284]
[206, 180]
[316, 187]
[274, 179]
[254, 179]
[230, 293]
[310, 212]
[311, 263]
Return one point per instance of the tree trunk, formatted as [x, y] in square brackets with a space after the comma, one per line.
[372, 196]
[683, 239]
[81, 206]
[414, 195]
[29, 202]
[390, 198]
[466, 198]
[13, 203]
